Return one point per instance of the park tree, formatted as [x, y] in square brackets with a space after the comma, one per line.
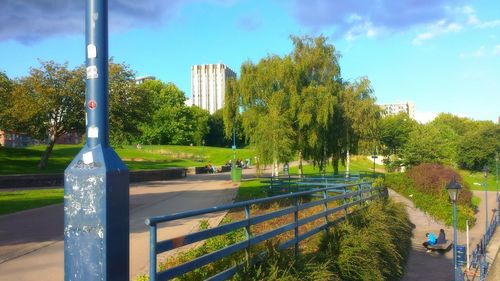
[6, 86]
[394, 132]
[129, 105]
[477, 148]
[170, 120]
[356, 119]
[48, 103]
[263, 91]
[315, 84]
[429, 143]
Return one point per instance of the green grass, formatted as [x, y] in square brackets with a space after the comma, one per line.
[25, 160]
[251, 189]
[11, 202]
[358, 163]
[476, 180]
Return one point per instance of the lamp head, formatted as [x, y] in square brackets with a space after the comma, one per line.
[485, 171]
[453, 189]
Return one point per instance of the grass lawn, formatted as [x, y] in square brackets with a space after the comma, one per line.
[251, 189]
[11, 202]
[476, 180]
[358, 163]
[25, 160]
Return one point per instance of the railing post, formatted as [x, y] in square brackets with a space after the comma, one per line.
[345, 201]
[248, 233]
[152, 252]
[325, 196]
[296, 220]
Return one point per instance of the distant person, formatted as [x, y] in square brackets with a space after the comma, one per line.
[441, 237]
[431, 240]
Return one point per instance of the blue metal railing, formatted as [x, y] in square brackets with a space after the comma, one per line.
[478, 256]
[349, 195]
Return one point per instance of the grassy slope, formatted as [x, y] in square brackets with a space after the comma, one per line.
[358, 163]
[476, 180]
[16, 201]
[25, 160]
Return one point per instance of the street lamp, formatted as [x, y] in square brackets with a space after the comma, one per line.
[496, 179]
[485, 171]
[453, 189]
[374, 157]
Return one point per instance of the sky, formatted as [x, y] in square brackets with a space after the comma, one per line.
[443, 55]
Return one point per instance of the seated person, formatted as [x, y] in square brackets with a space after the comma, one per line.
[441, 237]
[431, 240]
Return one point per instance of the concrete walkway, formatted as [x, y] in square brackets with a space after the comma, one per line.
[31, 242]
[436, 266]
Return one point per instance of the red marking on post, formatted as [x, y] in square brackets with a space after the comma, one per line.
[92, 104]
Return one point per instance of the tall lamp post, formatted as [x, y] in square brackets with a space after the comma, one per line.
[453, 189]
[485, 171]
[496, 179]
[96, 182]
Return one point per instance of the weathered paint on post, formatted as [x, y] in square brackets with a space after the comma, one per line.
[96, 183]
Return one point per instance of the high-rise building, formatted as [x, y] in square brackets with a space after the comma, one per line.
[208, 85]
[395, 108]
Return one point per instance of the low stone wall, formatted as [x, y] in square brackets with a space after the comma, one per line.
[48, 180]
[204, 170]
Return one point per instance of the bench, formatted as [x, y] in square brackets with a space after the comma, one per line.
[440, 247]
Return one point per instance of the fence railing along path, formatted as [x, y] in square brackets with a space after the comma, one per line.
[337, 201]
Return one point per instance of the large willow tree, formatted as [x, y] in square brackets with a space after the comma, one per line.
[298, 104]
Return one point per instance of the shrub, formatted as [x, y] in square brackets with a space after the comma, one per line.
[437, 205]
[433, 178]
[372, 244]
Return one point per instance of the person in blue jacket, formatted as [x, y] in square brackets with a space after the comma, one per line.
[431, 240]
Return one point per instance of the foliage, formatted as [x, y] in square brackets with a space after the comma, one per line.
[171, 121]
[15, 201]
[5, 90]
[433, 178]
[373, 244]
[394, 132]
[129, 105]
[48, 102]
[477, 148]
[430, 144]
[298, 104]
[438, 206]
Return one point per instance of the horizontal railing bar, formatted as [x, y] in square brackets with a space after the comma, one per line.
[175, 216]
[270, 234]
[312, 218]
[261, 218]
[201, 261]
[180, 241]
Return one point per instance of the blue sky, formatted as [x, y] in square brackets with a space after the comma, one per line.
[444, 55]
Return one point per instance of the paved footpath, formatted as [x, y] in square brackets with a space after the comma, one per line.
[436, 266]
[31, 242]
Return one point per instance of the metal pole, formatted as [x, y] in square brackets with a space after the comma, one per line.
[455, 266]
[467, 249]
[96, 182]
[486, 201]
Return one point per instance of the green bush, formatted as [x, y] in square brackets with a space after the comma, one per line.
[437, 205]
[372, 244]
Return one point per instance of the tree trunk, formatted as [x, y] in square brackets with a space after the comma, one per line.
[275, 168]
[301, 171]
[335, 164]
[348, 162]
[48, 151]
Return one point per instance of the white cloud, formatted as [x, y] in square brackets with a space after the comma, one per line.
[480, 52]
[360, 28]
[496, 50]
[439, 28]
[463, 17]
[425, 117]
